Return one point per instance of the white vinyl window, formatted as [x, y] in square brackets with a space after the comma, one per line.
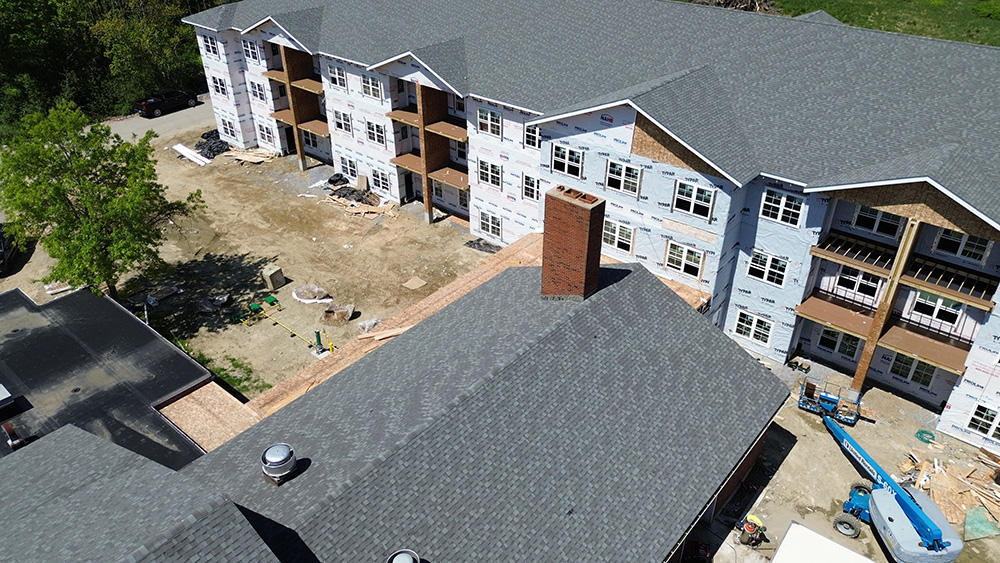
[567, 161]
[618, 235]
[684, 259]
[622, 177]
[529, 188]
[878, 222]
[266, 134]
[310, 139]
[459, 104]
[437, 189]
[857, 281]
[371, 86]
[376, 133]
[257, 91]
[219, 86]
[982, 419]
[380, 180]
[251, 50]
[348, 167]
[338, 76]
[753, 327]
[490, 173]
[490, 122]
[463, 199]
[228, 128]
[489, 223]
[916, 371]
[782, 207]
[211, 47]
[694, 200]
[936, 307]
[342, 121]
[834, 340]
[461, 149]
[532, 137]
[956, 243]
[767, 268]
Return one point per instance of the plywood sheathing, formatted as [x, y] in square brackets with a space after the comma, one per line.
[650, 141]
[922, 202]
[210, 416]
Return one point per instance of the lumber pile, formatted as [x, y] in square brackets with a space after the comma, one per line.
[385, 334]
[363, 209]
[954, 488]
[253, 156]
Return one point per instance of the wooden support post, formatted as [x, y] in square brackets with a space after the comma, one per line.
[889, 295]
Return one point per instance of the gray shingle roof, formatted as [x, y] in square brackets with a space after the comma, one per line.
[517, 429]
[813, 99]
[72, 496]
[819, 16]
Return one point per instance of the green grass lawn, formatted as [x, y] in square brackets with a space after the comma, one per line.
[972, 21]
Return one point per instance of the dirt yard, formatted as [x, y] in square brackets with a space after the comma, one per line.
[271, 213]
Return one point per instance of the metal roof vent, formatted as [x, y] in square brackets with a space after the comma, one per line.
[278, 462]
[404, 556]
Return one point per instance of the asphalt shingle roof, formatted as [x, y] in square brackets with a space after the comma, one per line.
[72, 496]
[506, 426]
[812, 99]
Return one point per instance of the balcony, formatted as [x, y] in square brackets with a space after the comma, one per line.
[829, 310]
[312, 84]
[919, 342]
[972, 288]
[409, 161]
[857, 253]
[316, 127]
[451, 128]
[407, 115]
[284, 116]
[276, 74]
[454, 175]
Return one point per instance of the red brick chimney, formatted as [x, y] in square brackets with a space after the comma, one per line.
[571, 247]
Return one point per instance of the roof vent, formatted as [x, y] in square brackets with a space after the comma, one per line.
[404, 556]
[278, 462]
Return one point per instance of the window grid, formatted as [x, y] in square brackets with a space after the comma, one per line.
[532, 137]
[338, 76]
[266, 134]
[228, 128]
[694, 200]
[349, 167]
[489, 223]
[529, 188]
[752, 327]
[376, 133]
[380, 180]
[567, 161]
[436, 189]
[463, 199]
[857, 281]
[219, 85]
[211, 47]
[490, 173]
[767, 268]
[251, 51]
[684, 259]
[490, 122]
[459, 104]
[371, 86]
[937, 307]
[982, 419]
[618, 235]
[783, 208]
[879, 222]
[342, 121]
[623, 178]
[257, 91]
[309, 138]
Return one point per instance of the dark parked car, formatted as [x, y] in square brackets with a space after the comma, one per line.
[158, 103]
[8, 252]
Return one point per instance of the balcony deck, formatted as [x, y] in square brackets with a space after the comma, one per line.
[911, 341]
[453, 175]
[863, 255]
[949, 281]
[276, 74]
[316, 127]
[311, 84]
[841, 315]
[452, 128]
[284, 116]
[410, 161]
[407, 115]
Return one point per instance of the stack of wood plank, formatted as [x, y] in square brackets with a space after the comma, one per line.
[253, 156]
[363, 209]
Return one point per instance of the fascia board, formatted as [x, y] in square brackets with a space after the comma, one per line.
[783, 179]
[298, 43]
[536, 112]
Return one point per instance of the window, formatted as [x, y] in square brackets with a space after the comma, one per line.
[982, 419]
[376, 133]
[490, 122]
[957, 243]
[257, 91]
[750, 326]
[490, 173]
[459, 104]
[309, 138]
[857, 281]
[348, 167]
[567, 161]
[400, 85]
[684, 259]
[694, 200]
[783, 208]
[266, 134]
[380, 180]
[338, 76]
[282, 92]
[342, 121]
[529, 188]
[371, 86]
[623, 178]
[463, 199]
[835, 340]
[275, 50]
[251, 50]
[532, 137]
[768, 268]
[618, 235]
[436, 189]
[404, 132]
[879, 222]
[211, 47]
[228, 128]
[219, 85]
[489, 223]
[909, 368]
[937, 307]
[461, 150]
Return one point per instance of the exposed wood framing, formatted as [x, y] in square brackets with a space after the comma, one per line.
[650, 141]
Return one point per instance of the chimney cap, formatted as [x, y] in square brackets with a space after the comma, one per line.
[580, 198]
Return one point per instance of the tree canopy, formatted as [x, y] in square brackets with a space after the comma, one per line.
[90, 198]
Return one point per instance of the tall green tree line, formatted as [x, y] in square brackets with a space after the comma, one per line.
[100, 54]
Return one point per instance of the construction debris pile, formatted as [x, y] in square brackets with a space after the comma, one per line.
[483, 246]
[968, 496]
[356, 195]
[359, 202]
[253, 156]
[211, 146]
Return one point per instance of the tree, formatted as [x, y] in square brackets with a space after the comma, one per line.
[90, 198]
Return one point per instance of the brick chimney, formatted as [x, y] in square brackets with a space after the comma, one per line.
[571, 247]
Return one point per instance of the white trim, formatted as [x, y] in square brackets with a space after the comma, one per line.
[548, 118]
[484, 98]
[425, 65]
[782, 179]
[288, 35]
[212, 29]
[897, 181]
[342, 59]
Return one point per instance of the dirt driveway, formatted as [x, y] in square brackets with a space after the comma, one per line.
[271, 213]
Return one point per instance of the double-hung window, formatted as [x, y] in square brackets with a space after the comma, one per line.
[910, 368]
[228, 128]
[532, 137]
[349, 167]
[463, 199]
[956, 243]
[753, 327]
[461, 150]
[529, 187]
[567, 161]
[266, 134]
[490, 122]
[982, 419]
[211, 47]
[459, 104]
[338, 76]
[219, 86]
[694, 200]
[878, 222]
[684, 259]
[490, 173]
[380, 180]
[371, 86]
[855, 280]
[257, 91]
[767, 268]
[489, 223]
[937, 307]
[618, 235]
[622, 177]
[310, 139]
[251, 51]
[376, 133]
[342, 121]
[437, 190]
[834, 340]
[781, 207]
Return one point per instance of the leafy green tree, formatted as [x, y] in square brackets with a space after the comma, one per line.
[91, 199]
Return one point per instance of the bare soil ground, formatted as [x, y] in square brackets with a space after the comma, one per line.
[253, 217]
